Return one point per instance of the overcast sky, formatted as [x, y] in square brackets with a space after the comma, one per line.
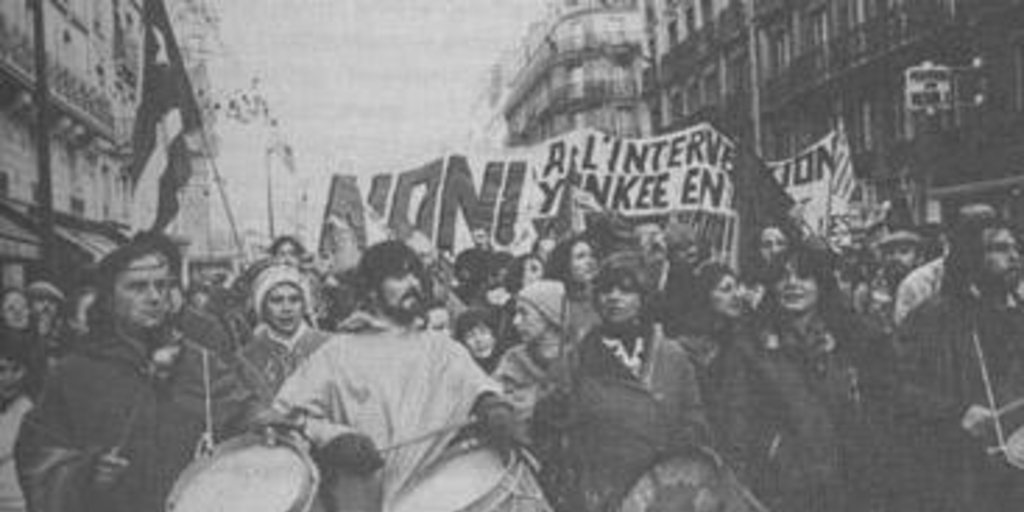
[372, 84]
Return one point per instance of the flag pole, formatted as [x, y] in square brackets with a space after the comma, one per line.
[755, 77]
[41, 96]
[270, 190]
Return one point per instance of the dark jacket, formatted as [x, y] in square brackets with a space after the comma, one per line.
[942, 378]
[806, 424]
[106, 397]
[616, 426]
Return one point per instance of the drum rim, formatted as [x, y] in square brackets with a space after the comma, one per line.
[309, 489]
[512, 466]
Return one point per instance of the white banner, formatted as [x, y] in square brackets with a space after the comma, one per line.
[821, 181]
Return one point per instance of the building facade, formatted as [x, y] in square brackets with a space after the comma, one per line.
[95, 58]
[780, 74]
[93, 55]
[581, 67]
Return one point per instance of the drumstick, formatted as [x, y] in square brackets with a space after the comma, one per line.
[427, 435]
[1010, 407]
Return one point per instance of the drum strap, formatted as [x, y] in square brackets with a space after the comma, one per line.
[204, 448]
[989, 390]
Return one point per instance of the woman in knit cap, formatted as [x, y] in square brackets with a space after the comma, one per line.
[633, 399]
[525, 370]
[283, 338]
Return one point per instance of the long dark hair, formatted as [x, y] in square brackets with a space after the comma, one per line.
[702, 319]
[832, 306]
[559, 265]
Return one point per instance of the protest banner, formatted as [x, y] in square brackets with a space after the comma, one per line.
[820, 180]
[688, 174]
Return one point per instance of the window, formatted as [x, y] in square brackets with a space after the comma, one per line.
[5, 185]
[863, 123]
[778, 50]
[737, 73]
[706, 12]
[1018, 72]
[710, 87]
[78, 206]
[692, 97]
[817, 29]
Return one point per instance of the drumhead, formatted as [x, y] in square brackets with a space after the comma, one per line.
[456, 482]
[694, 482]
[249, 474]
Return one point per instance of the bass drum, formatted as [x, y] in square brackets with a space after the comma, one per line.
[694, 482]
[471, 478]
[252, 473]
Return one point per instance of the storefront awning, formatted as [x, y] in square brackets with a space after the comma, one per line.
[977, 187]
[96, 245]
[17, 242]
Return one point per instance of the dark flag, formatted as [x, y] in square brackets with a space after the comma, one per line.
[760, 202]
[168, 116]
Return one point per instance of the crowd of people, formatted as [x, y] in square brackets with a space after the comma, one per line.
[884, 379]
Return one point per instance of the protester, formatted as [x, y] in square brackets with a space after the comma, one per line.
[712, 331]
[543, 247]
[46, 302]
[474, 330]
[118, 421]
[283, 339]
[14, 404]
[633, 400]
[961, 361]
[288, 250]
[650, 238]
[525, 270]
[383, 381]
[15, 311]
[525, 370]
[809, 414]
[574, 263]
[676, 299]
[471, 271]
[876, 299]
[925, 282]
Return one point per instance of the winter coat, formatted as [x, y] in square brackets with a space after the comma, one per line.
[616, 426]
[108, 396]
[267, 363]
[806, 423]
[941, 379]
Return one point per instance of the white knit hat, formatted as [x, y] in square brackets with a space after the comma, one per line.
[275, 275]
[548, 297]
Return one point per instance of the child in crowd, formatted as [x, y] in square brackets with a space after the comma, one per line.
[473, 329]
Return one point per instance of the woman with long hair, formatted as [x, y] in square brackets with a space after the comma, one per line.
[812, 419]
[574, 262]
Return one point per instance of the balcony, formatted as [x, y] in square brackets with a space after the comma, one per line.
[567, 50]
[572, 97]
[862, 44]
[69, 93]
[683, 58]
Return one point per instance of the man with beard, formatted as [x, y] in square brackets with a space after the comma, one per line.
[962, 361]
[120, 419]
[384, 381]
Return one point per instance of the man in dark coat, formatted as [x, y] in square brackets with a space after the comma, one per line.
[119, 421]
[962, 356]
